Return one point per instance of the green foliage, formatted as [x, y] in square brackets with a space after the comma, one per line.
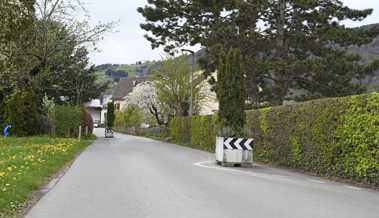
[204, 132]
[133, 116]
[231, 92]
[46, 55]
[359, 138]
[67, 120]
[329, 137]
[263, 120]
[110, 114]
[180, 130]
[299, 48]
[332, 137]
[296, 152]
[21, 111]
[120, 120]
[173, 86]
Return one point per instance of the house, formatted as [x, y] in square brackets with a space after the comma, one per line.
[105, 99]
[209, 105]
[122, 90]
[95, 108]
[98, 108]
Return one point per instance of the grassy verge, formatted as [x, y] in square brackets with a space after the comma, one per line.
[26, 164]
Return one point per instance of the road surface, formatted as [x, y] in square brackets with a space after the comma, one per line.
[132, 177]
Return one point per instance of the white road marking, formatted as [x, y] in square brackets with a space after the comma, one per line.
[316, 181]
[203, 164]
[352, 187]
[258, 175]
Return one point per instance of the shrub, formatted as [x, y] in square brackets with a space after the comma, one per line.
[120, 120]
[87, 121]
[133, 116]
[21, 111]
[332, 137]
[67, 120]
[329, 137]
[204, 132]
[179, 130]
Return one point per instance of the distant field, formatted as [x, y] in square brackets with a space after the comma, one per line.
[26, 164]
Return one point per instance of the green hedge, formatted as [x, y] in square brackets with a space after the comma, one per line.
[67, 120]
[330, 137]
[180, 130]
[21, 111]
[204, 132]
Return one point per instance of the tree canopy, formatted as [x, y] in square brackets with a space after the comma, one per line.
[286, 45]
[173, 86]
[44, 47]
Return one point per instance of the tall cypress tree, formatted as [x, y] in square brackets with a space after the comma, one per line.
[111, 115]
[231, 93]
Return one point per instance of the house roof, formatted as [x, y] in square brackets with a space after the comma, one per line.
[95, 103]
[126, 86]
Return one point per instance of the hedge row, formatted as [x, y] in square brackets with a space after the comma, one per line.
[330, 137]
[67, 120]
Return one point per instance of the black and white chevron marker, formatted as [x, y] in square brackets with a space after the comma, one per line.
[238, 144]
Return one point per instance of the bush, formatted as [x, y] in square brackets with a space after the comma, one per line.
[204, 132]
[180, 130]
[120, 120]
[133, 116]
[329, 137]
[87, 121]
[67, 120]
[21, 111]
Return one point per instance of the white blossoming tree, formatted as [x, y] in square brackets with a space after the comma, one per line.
[144, 96]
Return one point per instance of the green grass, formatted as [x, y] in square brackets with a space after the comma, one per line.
[26, 164]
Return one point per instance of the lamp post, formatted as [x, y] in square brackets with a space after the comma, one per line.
[191, 98]
[192, 72]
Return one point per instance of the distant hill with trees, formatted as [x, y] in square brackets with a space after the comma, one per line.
[369, 53]
[115, 72]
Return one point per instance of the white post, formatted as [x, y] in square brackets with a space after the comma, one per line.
[86, 130]
[80, 133]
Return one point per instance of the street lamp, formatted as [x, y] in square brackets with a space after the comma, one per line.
[192, 72]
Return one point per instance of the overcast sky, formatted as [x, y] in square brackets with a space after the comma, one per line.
[127, 44]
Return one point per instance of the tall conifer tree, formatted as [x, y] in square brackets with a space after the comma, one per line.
[231, 93]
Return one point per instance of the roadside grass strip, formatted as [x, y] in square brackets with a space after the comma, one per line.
[26, 164]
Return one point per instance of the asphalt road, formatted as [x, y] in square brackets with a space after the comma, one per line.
[132, 177]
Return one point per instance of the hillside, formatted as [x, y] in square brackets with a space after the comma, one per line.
[115, 72]
[369, 53]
